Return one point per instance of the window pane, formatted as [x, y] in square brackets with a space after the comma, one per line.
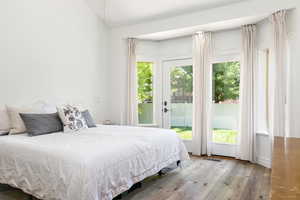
[145, 92]
[262, 91]
[226, 89]
[182, 100]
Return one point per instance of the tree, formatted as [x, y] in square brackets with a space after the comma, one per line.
[226, 81]
[145, 87]
[182, 81]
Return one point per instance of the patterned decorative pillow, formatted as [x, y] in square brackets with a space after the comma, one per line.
[72, 118]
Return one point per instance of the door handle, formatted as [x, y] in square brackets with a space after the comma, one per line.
[166, 110]
[165, 103]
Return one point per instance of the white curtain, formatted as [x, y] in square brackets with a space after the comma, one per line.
[132, 103]
[202, 102]
[246, 139]
[278, 118]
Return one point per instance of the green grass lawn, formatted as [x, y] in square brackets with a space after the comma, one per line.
[184, 132]
[219, 135]
[224, 136]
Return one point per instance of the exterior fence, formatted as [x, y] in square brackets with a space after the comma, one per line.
[225, 116]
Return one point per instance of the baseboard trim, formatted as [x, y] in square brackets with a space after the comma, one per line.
[266, 162]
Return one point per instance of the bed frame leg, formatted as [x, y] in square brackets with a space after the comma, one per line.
[160, 173]
[135, 186]
[139, 185]
[118, 197]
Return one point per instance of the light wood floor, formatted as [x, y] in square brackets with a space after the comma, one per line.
[200, 179]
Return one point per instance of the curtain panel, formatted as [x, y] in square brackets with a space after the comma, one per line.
[202, 103]
[246, 138]
[132, 102]
[280, 45]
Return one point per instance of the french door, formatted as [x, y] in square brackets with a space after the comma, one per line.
[177, 103]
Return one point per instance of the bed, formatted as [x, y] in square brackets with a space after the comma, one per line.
[92, 164]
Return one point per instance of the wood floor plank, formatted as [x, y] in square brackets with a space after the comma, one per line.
[230, 180]
[169, 185]
[242, 181]
[235, 182]
[200, 179]
[221, 186]
[215, 184]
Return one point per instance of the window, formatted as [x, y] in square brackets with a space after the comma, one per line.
[226, 92]
[181, 78]
[263, 91]
[145, 92]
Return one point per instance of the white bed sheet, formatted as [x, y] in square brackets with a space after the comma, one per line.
[93, 164]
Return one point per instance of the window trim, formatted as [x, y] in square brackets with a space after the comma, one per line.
[226, 58]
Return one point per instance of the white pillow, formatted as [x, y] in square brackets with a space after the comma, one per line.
[16, 122]
[72, 118]
[49, 108]
[4, 119]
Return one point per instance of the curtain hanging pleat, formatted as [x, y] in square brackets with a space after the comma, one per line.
[132, 102]
[246, 138]
[280, 43]
[202, 75]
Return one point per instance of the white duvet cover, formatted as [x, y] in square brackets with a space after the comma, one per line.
[93, 164]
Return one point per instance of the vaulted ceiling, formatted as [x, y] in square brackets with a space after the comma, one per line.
[123, 12]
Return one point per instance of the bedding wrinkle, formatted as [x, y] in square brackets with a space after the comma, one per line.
[91, 164]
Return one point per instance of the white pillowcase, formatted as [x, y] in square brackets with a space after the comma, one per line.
[72, 118]
[16, 122]
[4, 119]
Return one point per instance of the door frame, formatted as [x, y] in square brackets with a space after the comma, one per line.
[167, 65]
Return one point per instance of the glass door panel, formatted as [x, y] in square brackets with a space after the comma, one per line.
[178, 97]
[145, 93]
[225, 116]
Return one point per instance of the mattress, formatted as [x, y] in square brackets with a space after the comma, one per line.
[92, 164]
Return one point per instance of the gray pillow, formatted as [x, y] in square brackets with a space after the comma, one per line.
[41, 124]
[88, 118]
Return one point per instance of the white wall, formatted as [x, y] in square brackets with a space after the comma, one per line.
[53, 50]
[175, 48]
[149, 49]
